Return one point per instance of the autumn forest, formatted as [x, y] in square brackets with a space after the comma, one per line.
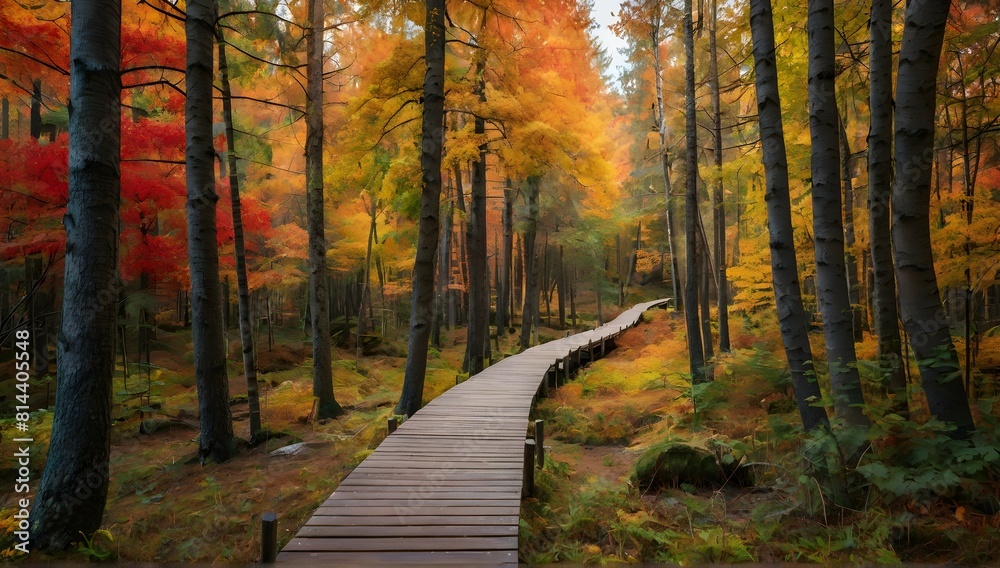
[245, 240]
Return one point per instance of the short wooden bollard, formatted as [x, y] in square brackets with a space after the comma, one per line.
[565, 369]
[543, 389]
[590, 350]
[528, 481]
[268, 538]
[579, 358]
[393, 424]
[540, 443]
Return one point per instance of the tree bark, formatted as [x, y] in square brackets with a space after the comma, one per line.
[444, 273]
[462, 292]
[506, 256]
[718, 202]
[319, 280]
[661, 124]
[411, 398]
[784, 268]
[35, 124]
[216, 439]
[242, 284]
[530, 313]
[478, 337]
[4, 119]
[919, 296]
[851, 262]
[74, 485]
[696, 356]
[828, 226]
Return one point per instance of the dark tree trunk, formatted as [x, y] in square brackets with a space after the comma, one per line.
[561, 285]
[319, 280]
[784, 269]
[462, 292]
[216, 439]
[411, 398]
[828, 225]
[74, 486]
[478, 337]
[919, 296]
[35, 126]
[718, 202]
[506, 256]
[530, 313]
[4, 119]
[242, 284]
[696, 355]
[853, 286]
[704, 273]
[444, 273]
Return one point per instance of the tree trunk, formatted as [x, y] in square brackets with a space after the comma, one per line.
[411, 398]
[478, 336]
[444, 273]
[74, 485]
[366, 296]
[561, 285]
[718, 202]
[664, 155]
[529, 313]
[4, 119]
[506, 255]
[216, 439]
[919, 296]
[696, 356]
[462, 293]
[242, 284]
[828, 226]
[704, 272]
[784, 269]
[853, 285]
[315, 225]
[35, 126]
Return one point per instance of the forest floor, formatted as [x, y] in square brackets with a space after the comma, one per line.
[165, 507]
[590, 507]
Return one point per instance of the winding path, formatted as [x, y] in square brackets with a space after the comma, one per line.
[445, 487]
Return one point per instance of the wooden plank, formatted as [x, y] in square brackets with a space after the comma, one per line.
[407, 531]
[377, 544]
[436, 558]
[426, 510]
[413, 520]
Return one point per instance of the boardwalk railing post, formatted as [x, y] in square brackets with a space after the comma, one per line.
[590, 350]
[393, 423]
[268, 538]
[565, 369]
[528, 481]
[540, 443]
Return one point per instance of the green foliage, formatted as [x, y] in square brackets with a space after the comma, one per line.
[93, 549]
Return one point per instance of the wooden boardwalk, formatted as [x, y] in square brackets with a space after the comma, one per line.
[445, 487]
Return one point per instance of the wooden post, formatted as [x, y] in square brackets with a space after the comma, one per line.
[393, 423]
[604, 350]
[268, 538]
[579, 357]
[565, 369]
[590, 350]
[528, 481]
[551, 376]
[540, 443]
[543, 389]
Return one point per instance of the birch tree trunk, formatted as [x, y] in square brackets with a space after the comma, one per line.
[784, 268]
[411, 398]
[74, 485]
[919, 296]
[828, 225]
